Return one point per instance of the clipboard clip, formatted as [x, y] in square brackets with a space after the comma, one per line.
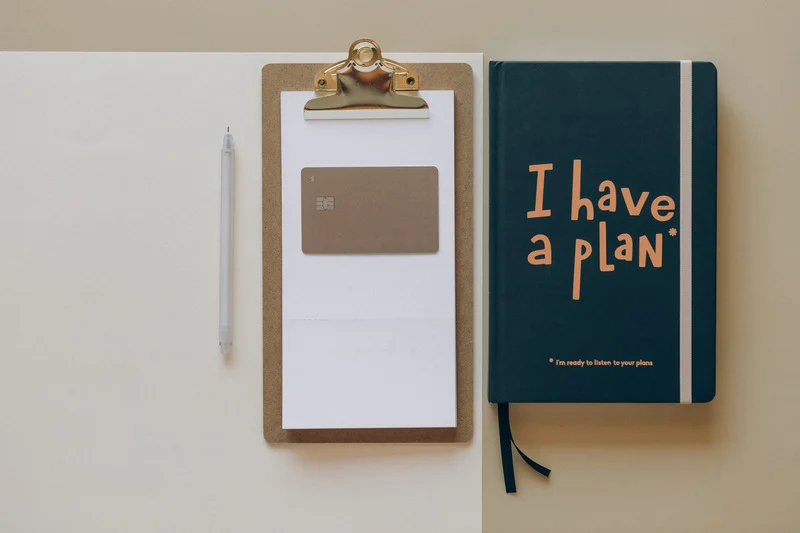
[366, 85]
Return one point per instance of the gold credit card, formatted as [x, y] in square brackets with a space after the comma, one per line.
[370, 210]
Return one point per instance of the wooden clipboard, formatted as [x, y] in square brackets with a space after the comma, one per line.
[300, 77]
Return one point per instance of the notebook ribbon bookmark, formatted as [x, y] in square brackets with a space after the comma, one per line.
[506, 442]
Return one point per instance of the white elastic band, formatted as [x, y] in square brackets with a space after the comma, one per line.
[686, 233]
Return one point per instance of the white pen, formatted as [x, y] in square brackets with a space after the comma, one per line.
[226, 247]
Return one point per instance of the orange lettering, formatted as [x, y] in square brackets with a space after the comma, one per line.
[634, 209]
[624, 251]
[538, 210]
[582, 251]
[543, 256]
[604, 266]
[608, 202]
[662, 203]
[646, 250]
[577, 201]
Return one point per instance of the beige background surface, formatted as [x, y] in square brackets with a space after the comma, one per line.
[729, 466]
[117, 411]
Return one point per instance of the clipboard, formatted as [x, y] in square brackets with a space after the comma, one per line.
[390, 93]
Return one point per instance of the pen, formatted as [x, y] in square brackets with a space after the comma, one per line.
[226, 246]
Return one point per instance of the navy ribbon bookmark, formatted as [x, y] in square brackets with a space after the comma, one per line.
[506, 441]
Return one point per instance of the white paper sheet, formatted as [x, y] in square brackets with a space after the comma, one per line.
[368, 340]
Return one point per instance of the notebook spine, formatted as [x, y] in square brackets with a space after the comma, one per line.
[495, 91]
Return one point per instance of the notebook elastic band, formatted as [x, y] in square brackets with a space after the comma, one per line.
[506, 442]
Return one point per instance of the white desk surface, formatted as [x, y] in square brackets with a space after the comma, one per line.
[118, 412]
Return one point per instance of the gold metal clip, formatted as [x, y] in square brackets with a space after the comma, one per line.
[366, 85]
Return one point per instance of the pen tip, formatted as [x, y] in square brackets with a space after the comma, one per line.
[229, 129]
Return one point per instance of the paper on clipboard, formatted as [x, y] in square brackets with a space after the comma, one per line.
[368, 340]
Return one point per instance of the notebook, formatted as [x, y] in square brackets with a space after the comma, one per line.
[602, 232]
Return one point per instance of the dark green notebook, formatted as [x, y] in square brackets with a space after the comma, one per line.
[603, 180]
